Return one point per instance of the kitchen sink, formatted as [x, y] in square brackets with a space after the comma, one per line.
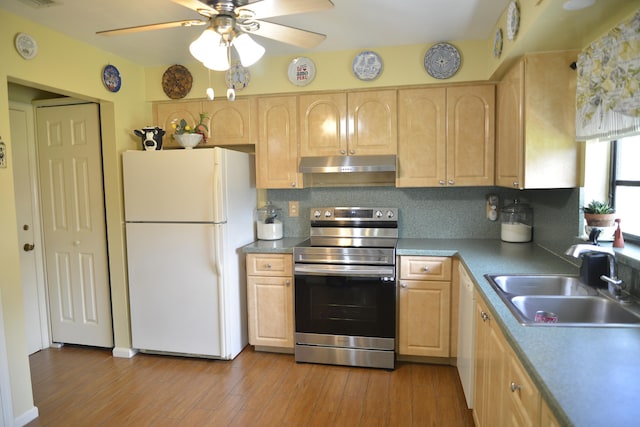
[541, 285]
[561, 300]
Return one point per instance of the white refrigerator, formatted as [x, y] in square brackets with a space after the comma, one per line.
[187, 213]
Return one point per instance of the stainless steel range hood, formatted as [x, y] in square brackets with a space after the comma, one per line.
[347, 164]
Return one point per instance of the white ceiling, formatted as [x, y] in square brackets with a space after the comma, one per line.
[351, 24]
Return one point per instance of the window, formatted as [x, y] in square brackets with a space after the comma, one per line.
[625, 185]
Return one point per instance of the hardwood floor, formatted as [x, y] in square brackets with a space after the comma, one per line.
[79, 386]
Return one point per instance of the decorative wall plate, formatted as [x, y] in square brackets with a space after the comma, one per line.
[367, 65]
[513, 20]
[442, 60]
[111, 78]
[301, 71]
[497, 43]
[237, 77]
[176, 81]
[26, 46]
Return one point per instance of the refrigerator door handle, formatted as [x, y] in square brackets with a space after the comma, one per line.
[219, 201]
[218, 249]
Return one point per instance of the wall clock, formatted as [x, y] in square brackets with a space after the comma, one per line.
[26, 46]
[176, 81]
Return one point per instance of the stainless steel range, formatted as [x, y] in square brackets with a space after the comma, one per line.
[345, 288]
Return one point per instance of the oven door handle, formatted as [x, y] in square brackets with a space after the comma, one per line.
[387, 272]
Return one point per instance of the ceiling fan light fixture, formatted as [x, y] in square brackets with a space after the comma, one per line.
[203, 47]
[248, 49]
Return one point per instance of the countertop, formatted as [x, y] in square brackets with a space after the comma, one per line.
[587, 376]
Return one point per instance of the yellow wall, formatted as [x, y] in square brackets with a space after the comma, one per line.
[72, 68]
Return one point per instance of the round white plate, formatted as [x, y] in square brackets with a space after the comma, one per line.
[111, 78]
[442, 60]
[26, 46]
[301, 71]
[237, 77]
[513, 20]
[497, 44]
[367, 65]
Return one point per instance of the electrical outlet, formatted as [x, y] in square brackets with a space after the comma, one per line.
[294, 208]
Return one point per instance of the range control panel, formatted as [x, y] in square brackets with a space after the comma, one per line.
[354, 214]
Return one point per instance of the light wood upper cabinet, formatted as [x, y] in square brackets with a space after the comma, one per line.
[470, 135]
[535, 136]
[357, 123]
[277, 146]
[422, 137]
[229, 122]
[446, 136]
[166, 112]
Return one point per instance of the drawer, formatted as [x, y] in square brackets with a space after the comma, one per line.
[425, 268]
[269, 264]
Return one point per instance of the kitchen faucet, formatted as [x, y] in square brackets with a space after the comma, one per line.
[614, 284]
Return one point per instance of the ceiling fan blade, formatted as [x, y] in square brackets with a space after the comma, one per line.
[197, 6]
[289, 35]
[161, 26]
[271, 8]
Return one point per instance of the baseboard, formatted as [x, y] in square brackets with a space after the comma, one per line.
[27, 417]
[123, 352]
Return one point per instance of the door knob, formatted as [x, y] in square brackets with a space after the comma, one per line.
[28, 247]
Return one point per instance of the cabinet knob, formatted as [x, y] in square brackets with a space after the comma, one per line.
[343, 152]
[452, 182]
[268, 265]
[287, 283]
[441, 182]
[484, 316]
[425, 269]
[293, 184]
[352, 151]
[516, 184]
[514, 387]
[76, 243]
[403, 285]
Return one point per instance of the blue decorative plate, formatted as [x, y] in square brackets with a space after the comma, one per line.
[237, 77]
[442, 60]
[111, 78]
[367, 65]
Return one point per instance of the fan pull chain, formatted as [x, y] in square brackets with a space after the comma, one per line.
[210, 93]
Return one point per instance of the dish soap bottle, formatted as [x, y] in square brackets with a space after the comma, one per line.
[517, 222]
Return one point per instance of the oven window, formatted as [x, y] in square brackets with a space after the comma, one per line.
[338, 305]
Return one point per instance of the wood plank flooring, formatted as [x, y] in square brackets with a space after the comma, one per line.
[79, 386]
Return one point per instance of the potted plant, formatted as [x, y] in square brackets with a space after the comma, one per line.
[599, 214]
[189, 136]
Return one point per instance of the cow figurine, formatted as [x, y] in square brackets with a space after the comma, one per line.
[151, 137]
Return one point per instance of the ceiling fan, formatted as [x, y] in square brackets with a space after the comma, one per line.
[229, 22]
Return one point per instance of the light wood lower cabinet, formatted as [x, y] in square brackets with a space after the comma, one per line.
[504, 393]
[424, 307]
[270, 300]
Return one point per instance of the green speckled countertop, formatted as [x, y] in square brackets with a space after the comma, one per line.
[588, 376]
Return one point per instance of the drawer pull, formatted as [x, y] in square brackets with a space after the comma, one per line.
[514, 387]
[268, 266]
[425, 269]
[484, 316]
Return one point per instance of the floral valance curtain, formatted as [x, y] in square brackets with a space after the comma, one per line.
[608, 87]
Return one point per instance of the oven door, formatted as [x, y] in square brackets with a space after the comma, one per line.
[353, 301]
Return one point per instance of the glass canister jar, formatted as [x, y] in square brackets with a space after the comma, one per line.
[517, 222]
[268, 222]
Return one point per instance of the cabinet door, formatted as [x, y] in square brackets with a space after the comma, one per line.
[424, 312]
[277, 147]
[166, 112]
[470, 135]
[270, 311]
[509, 133]
[421, 137]
[547, 419]
[323, 124]
[373, 122]
[524, 402]
[229, 122]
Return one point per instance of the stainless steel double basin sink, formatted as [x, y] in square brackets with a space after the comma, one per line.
[561, 300]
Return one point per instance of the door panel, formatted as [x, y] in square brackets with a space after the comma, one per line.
[74, 224]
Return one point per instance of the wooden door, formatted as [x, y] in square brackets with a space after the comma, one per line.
[229, 122]
[323, 124]
[69, 154]
[270, 307]
[277, 147]
[509, 129]
[373, 122]
[421, 137]
[25, 182]
[470, 135]
[424, 312]
[165, 113]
